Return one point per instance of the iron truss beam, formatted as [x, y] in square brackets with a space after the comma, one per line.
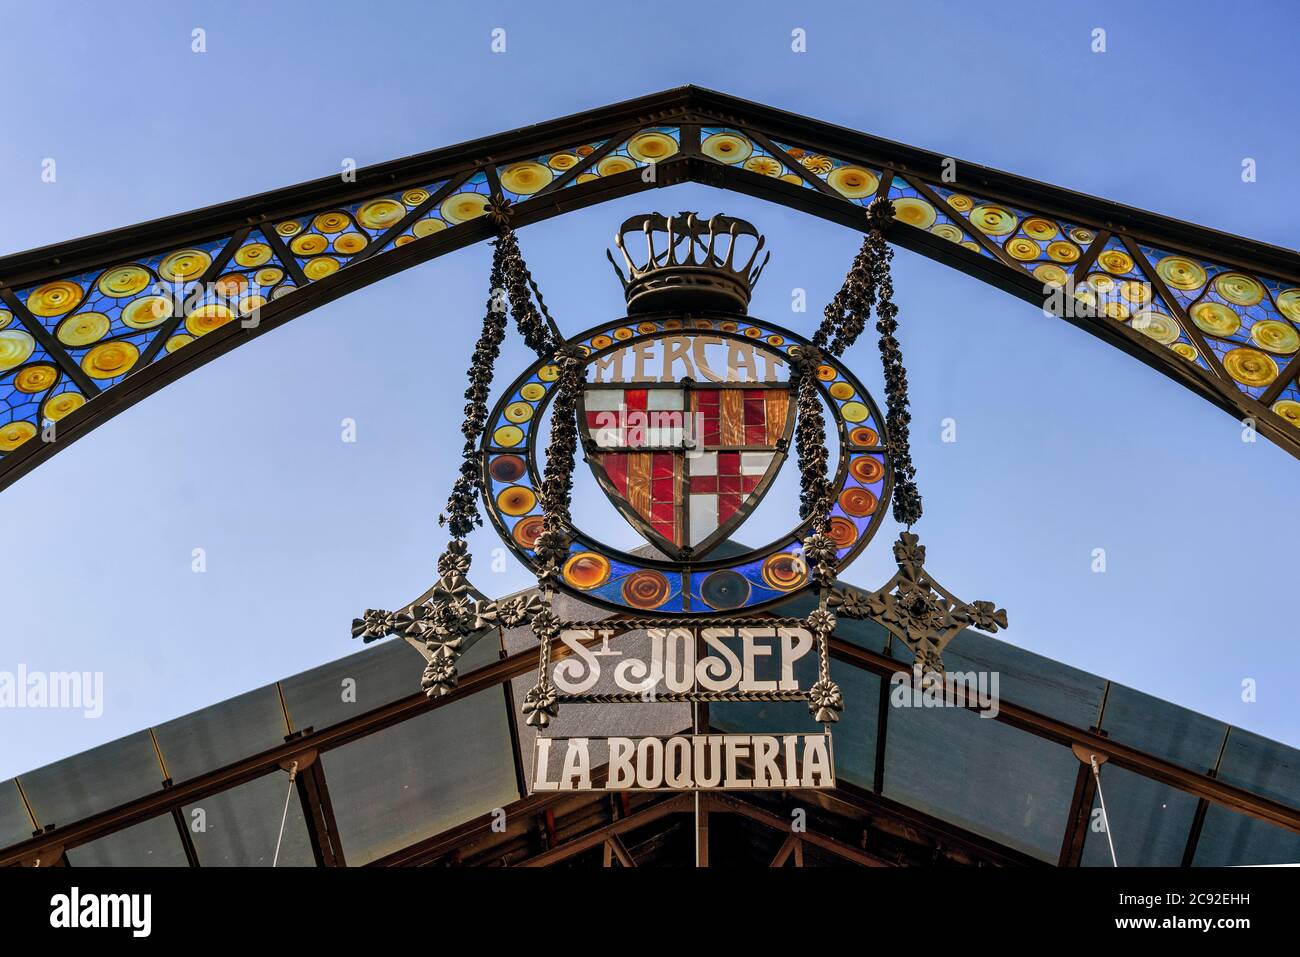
[1212, 311]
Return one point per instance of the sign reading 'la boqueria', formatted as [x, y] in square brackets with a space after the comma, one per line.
[687, 762]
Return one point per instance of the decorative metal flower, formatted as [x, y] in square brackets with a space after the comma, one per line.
[825, 701]
[540, 706]
[822, 621]
[439, 676]
[455, 561]
[546, 624]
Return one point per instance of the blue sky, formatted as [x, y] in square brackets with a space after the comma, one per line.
[1063, 443]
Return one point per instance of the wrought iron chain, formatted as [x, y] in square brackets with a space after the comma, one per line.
[462, 514]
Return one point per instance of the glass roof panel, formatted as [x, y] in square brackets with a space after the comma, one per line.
[222, 734]
[15, 822]
[1028, 679]
[1149, 822]
[1163, 729]
[239, 827]
[1264, 767]
[982, 775]
[151, 843]
[382, 673]
[423, 776]
[94, 780]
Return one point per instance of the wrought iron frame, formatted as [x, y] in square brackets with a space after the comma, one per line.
[689, 108]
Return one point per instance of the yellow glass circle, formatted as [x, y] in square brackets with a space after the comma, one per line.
[526, 178]
[1082, 236]
[963, 204]
[463, 207]
[36, 378]
[254, 254]
[841, 391]
[249, 304]
[764, 166]
[827, 373]
[350, 243]
[1023, 249]
[147, 312]
[207, 317]
[1238, 288]
[320, 267]
[427, 227]
[562, 161]
[727, 147]
[533, 391]
[993, 220]
[289, 228]
[82, 329]
[309, 244]
[65, 403]
[622, 333]
[230, 285]
[178, 340]
[508, 436]
[516, 500]
[1288, 409]
[332, 222]
[612, 165]
[1036, 227]
[1135, 291]
[854, 412]
[971, 245]
[54, 298]
[817, 164]
[946, 231]
[1050, 274]
[184, 265]
[1179, 272]
[283, 290]
[268, 276]
[1215, 318]
[1101, 282]
[854, 182]
[380, 214]
[601, 341]
[108, 360]
[16, 345]
[650, 147]
[519, 412]
[1115, 262]
[414, 197]
[14, 434]
[1288, 302]
[1063, 251]
[1272, 335]
[586, 177]
[1115, 310]
[403, 240]
[914, 212]
[548, 373]
[6, 317]
[1184, 350]
[124, 281]
[794, 178]
[1250, 367]
[1157, 326]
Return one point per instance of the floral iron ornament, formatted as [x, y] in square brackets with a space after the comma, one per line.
[916, 609]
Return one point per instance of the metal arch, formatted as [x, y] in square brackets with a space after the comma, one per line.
[601, 133]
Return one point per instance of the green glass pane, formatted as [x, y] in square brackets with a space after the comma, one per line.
[222, 734]
[1163, 729]
[239, 827]
[151, 843]
[94, 780]
[982, 775]
[15, 822]
[421, 777]
[1149, 822]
